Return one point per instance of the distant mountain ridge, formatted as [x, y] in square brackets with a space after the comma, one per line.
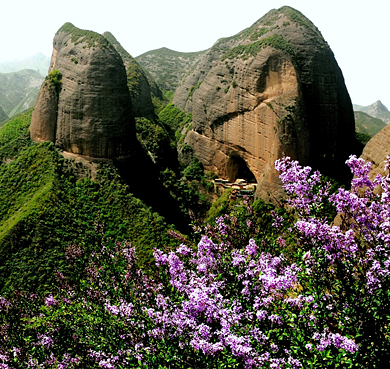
[19, 90]
[368, 125]
[169, 67]
[3, 115]
[376, 110]
[39, 62]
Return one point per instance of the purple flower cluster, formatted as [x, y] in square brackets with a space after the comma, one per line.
[365, 210]
[327, 338]
[300, 185]
[224, 297]
[206, 315]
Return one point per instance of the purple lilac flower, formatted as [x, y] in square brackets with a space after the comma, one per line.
[221, 226]
[300, 184]
[294, 363]
[277, 220]
[45, 341]
[183, 250]
[50, 301]
[252, 248]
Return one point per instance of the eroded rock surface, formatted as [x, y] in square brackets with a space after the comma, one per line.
[85, 108]
[137, 81]
[274, 89]
[376, 151]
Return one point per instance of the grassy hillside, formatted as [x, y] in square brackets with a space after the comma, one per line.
[367, 124]
[3, 115]
[44, 207]
[168, 67]
[19, 90]
[376, 110]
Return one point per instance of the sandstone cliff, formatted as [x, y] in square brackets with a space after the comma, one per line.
[84, 105]
[137, 81]
[273, 89]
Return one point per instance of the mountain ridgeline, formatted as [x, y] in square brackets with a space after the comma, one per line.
[18, 91]
[376, 110]
[134, 142]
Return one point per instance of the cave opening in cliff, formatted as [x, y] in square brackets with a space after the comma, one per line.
[237, 169]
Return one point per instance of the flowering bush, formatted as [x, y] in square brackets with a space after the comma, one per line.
[230, 300]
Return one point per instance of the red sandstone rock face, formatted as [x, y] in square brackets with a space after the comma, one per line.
[250, 121]
[91, 113]
[283, 99]
[376, 151]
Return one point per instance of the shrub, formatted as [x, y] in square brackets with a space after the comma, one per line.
[55, 80]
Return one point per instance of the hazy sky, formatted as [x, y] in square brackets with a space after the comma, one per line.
[356, 30]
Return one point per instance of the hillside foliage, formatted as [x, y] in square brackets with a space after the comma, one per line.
[262, 288]
[44, 207]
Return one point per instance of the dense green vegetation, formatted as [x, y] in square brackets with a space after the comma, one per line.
[156, 139]
[246, 51]
[161, 138]
[136, 79]
[54, 78]
[168, 67]
[362, 137]
[44, 207]
[176, 119]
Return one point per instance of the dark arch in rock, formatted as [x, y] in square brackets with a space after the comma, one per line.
[236, 167]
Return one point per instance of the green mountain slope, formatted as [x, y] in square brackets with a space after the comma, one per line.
[19, 90]
[376, 110]
[168, 67]
[45, 207]
[367, 124]
[3, 115]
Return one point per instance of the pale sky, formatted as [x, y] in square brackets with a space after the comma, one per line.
[356, 30]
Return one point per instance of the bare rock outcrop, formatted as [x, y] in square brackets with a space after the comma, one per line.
[376, 151]
[274, 89]
[84, 105]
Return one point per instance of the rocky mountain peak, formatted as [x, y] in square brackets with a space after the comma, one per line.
[273, 89]
[84, 105]
[376, 110]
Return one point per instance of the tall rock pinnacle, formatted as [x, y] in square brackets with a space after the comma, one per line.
[84, 105]
[273, 89]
